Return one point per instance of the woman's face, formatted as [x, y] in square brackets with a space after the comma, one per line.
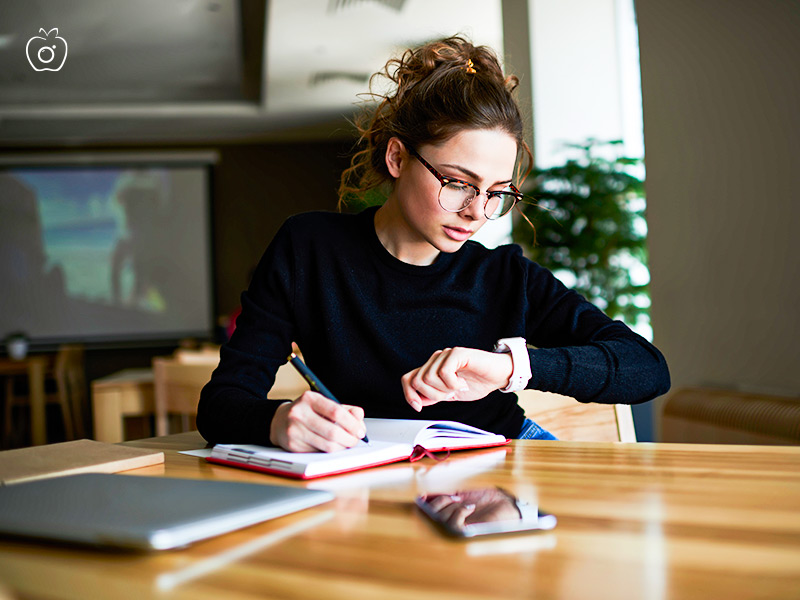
[418, 228]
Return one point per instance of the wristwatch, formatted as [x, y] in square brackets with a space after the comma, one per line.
[521, 362]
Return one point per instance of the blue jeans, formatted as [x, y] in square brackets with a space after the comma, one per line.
[531, 431]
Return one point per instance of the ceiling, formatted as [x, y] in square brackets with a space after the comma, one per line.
[203, 70]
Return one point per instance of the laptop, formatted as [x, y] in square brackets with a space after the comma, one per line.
[147, 513]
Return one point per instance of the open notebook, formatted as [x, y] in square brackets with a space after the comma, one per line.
[391, 440]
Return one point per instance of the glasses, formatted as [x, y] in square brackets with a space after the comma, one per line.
[456, 195]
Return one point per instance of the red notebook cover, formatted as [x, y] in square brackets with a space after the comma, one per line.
[359, 467]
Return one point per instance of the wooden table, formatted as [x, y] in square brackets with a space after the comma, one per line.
[635, 521]
[35, 367]
[122, 394]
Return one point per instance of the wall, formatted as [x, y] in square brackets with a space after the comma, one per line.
[256, 187]
[721, 91]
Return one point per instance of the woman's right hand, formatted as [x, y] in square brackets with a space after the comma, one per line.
[315, 423]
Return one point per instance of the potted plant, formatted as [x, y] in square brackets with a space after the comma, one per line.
[590, 231]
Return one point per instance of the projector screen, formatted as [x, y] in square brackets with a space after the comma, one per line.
[106, 253]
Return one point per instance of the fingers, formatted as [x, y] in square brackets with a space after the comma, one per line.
[438, 501]
[437, 380]
[458, 515]
[356, 411]
[339, 416]
[314, 423]
[412, 396]
[451, 509]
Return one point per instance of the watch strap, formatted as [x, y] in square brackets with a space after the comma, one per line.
[521, 361]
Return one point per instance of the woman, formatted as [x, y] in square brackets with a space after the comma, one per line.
[396, 311]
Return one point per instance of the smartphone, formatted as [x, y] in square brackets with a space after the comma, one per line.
[486, 511]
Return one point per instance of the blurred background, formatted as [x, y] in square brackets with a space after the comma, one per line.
[149, 150]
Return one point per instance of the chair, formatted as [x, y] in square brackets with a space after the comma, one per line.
[288, 385]
[179, 379]
[574, 421]
[177, 386]
[66, 386]
[70, 379]
[121, 401]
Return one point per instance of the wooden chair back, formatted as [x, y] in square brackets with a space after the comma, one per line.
[176, 388]
[570, 420]
[64, 382]
[70, 377]
[289, 384]
[178, 380]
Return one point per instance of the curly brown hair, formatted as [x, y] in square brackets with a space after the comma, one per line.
[439, 89]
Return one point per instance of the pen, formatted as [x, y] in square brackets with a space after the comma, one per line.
[314, 382]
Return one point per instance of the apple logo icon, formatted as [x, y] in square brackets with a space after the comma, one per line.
[47, 53]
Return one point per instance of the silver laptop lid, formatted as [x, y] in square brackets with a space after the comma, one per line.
[154, 513]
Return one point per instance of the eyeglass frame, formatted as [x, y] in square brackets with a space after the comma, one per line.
[444, 180]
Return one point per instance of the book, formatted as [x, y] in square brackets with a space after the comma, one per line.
[71, 458]
[391, 440]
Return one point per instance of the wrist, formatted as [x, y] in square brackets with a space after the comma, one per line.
[275, 428]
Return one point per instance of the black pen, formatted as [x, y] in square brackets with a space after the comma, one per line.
[314, 382]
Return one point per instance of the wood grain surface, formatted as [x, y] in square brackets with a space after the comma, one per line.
[634, 521]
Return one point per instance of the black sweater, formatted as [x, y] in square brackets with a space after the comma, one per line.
[363, 318]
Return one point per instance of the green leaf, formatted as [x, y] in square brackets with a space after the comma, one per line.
[585, 225]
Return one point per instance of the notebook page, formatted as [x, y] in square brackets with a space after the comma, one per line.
[395, 430]
[434, 433]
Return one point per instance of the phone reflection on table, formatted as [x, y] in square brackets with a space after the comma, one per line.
[487, 511]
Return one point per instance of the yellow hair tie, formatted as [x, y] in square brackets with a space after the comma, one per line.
[470, 68]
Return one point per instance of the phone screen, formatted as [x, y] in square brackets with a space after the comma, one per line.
[488, 511]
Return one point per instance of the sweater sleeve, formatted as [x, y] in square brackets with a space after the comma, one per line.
[233, 406]
[582, 353]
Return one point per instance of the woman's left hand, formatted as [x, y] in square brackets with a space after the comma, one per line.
[456, 374]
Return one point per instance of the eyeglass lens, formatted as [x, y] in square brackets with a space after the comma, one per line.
[455, 197]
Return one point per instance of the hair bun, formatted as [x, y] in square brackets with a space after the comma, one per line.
[437, 90]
